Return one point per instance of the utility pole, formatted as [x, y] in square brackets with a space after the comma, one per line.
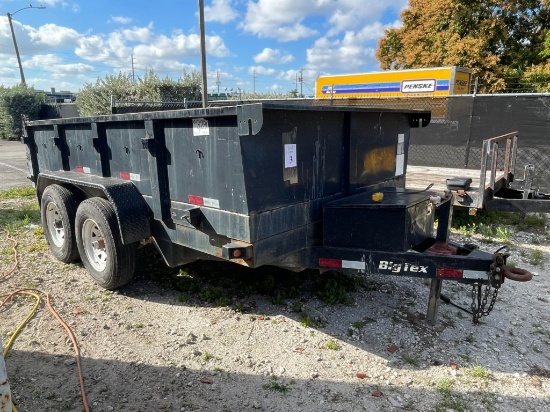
[301, 82]
[203, 55]
[254, 77]
[16, 50]
[133, 74]
[218, 81]
[10, 15]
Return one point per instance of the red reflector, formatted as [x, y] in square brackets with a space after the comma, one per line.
[125, 175]
[196, 200]
[80, 169]
[330, 263]
[449, 273]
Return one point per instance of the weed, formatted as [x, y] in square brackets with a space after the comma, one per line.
[536, 257]
[206, 356]
[106, 295]
[334, 288]
[332, 344]
[455, 404]
[275, 386]
[477, 371]
[17, 192]
[358, 325]
[138, 325]
[535, 240]
[183, 297]
[467, 358]
[410, 360]
[444, 386]
[306, 321]
[278, 298]
[470, 338]
[296, 307]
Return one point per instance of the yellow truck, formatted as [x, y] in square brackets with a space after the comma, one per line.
[429, 82]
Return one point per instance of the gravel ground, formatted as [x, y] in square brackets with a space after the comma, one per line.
[216, 337]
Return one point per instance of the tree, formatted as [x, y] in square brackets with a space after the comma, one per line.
[15, 102]
[95, 99]
[497, 39]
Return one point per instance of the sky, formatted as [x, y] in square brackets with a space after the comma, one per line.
[253, 45]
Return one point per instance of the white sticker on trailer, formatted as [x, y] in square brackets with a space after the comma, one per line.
[200, 127]
[215, 203]
[86, 170]
[353, 264]
[290, 156]
[400, 157]
[474, 274]
[135, 177]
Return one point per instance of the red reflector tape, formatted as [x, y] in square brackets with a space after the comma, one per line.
[125, 175]
[330, 263]
[196, 200]
[448, 273]
[80, 169]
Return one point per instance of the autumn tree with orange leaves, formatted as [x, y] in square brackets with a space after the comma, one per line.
[503, 42]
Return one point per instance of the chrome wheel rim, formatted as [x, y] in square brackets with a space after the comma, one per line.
[54, 223]
[94, 245]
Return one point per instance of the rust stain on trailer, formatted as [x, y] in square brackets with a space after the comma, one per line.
[380, 159]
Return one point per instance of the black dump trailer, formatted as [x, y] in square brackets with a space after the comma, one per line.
[295, 184]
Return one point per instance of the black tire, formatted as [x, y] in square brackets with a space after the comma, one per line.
[57, 211]
[110, 263]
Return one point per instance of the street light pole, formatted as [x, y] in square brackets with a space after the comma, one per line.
[10, 15]
[203, 55]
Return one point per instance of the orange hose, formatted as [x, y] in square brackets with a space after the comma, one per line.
[54, 313]
[76, 350]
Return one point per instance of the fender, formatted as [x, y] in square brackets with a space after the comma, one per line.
[131, 210]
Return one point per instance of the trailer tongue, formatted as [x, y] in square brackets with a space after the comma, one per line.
[295, 184]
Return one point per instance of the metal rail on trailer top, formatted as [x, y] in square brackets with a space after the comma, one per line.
[295, 184]
[492, 188]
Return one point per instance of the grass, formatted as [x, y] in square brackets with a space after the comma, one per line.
[536, 258]
[411, 360]
[275, 386]
[477, 371]
[332, 345]
[358, 325]
[206, 356]
[18, 192]
[449, 402]
[495, 225]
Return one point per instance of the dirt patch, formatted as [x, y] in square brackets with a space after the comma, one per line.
[212, 336]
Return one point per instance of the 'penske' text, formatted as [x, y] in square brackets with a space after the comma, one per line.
[402, 267]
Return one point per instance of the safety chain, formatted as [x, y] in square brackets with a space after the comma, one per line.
[481, 296]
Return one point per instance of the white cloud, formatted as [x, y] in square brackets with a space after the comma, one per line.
[261, 70]
[53, 2]
[221, 11]
[281, 19]
[269, 55]
[53, 63]
[288, 20]
[351, 52]
[54, 36]
[121, 19]
[139, 34]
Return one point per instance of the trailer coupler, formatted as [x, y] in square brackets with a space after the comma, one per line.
[483, 299]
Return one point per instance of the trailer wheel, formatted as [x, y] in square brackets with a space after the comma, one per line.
[110, 263]
[57, 210]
